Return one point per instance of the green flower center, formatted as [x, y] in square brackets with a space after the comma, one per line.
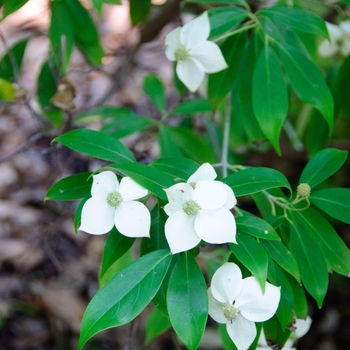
[191, 208]
[192, 184]
[181, 54]
[114, 199]
[304, 190]
[230, 312]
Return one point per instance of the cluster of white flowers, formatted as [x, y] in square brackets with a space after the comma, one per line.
[198, 210]
[301, 328]
[339, 40]
[239, 303]
[194, 54]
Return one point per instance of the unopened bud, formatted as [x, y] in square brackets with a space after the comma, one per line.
[304, 190]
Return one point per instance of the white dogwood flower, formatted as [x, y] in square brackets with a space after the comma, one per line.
[113, 204]
[194, 54]
[301, 327]
[240, 302]
[199, 210]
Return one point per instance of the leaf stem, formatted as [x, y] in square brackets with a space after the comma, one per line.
[226, 137]
[239, 30]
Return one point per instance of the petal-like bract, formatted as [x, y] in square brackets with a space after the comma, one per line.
[204, 172]
[190, 72]
[131, 190]
[172, 43]
[132, 219]
[104, 183]
[242, 332]
[210, 195]
[195, 32]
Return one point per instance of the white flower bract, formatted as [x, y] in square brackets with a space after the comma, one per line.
[112, 203]
[240, 303]
[199, 210]
[195, 55]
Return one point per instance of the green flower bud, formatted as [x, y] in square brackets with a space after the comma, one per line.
[304, 190]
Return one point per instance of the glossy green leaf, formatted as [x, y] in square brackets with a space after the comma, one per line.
[256, 227]
[270, 99]
[96, 144]
[11, 62]
[157, 323]
[150, 178]
[46, 89]
[307, 81]
[116, 246]
[177, 168]
[253, 180]
[221, 83]
[124, 297]
[283, 257]
[168, 147]
[317, 136]
[155, 90]
[335, 251]
[311, 263]
[278, 278]
[116, 121]
[187, 301]
[71, 188]
[297, 18]
[157, 238]
[85, 32]
[252, 255]
[300, 303]
[333, 201]
[77, 215]
[139, 10]
[223, 19]
[61, 34]
[245, 88]
[274, 331]
[192, 145]
[11, 6]
[193, 106]
[322, 165]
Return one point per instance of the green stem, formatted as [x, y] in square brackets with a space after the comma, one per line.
[239, 30]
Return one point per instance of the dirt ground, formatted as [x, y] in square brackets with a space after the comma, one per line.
[48, 274]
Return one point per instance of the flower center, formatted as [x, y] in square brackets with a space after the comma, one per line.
[181, 54]
[230, 312]
[114, 199]
[192, 184]
[191, 208]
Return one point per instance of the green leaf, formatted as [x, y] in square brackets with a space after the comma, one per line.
[46, 89]
[270, 99]
[256, 227]
[157, 323]
[96, 144]
[117, 121]
[194, 106]
[298, 19]
[11, 63]
[245, 81]
[61, 34]
[71, 188]
[223, 19]
[334, 250]
[333, 201]
[312, 265]
[116, 246]
[125, 295]
[176, 167]
[322, 165]
[307, 81]
[150, 178]
[253, 256]
[139, 10]
[192, 145]
[168, 147]
[85, 32]
[11, 6]
[187, 301]
[300, 303]
[7, 90]
[77, 215]
[221, 83]
[157, 238]
[278, 278]
[155, 90]
[281, 254]
[253, 180]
